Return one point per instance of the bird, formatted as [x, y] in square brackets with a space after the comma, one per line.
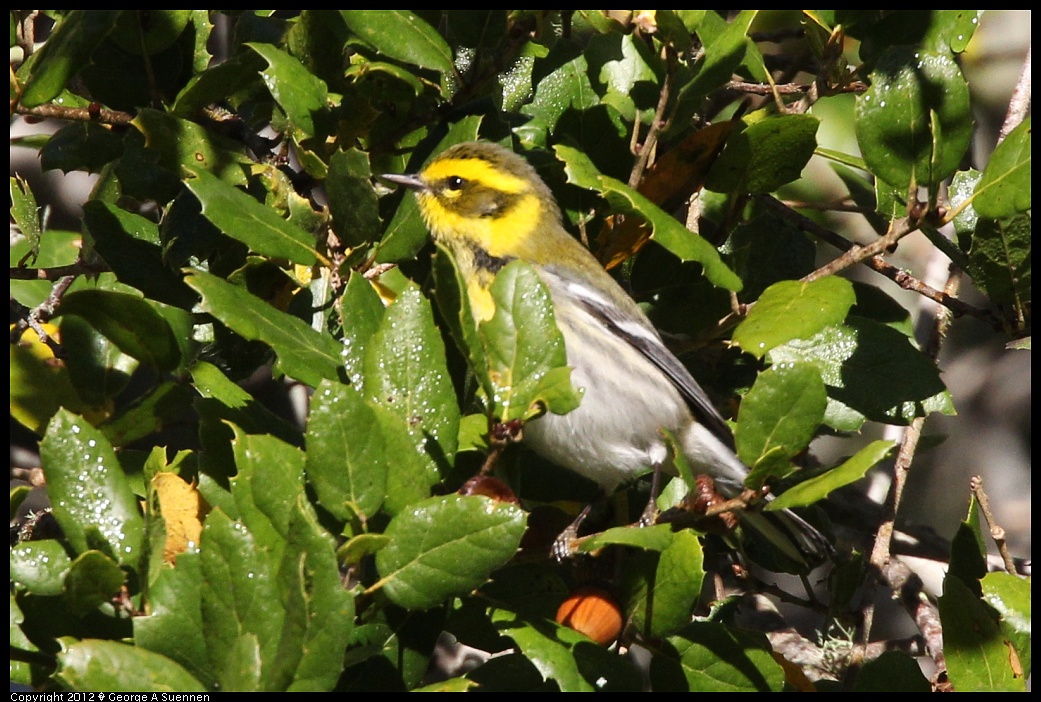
[488, 206]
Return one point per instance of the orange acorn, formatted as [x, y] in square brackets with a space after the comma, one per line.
[593, 612]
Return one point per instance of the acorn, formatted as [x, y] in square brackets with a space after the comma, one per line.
[594, 612]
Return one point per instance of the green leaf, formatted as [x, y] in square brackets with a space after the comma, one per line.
[129, 322]
[401, 35]
[65, 52]
[21, 672]
[270, 478]
[93, 579]
[662, 603]
[1000, 261]
[562, 87]
[174, 625]
[764, 155]
[149, 31]
[527, 363]
[254, 224]
[627, 78]
[97, 368]
[319, 610]
[963, 184]
[92, 499]
[942, 31]
[712, 657]
[652, 538]
[361, 311]
[778, 418]
[446, 546]
[359, 547]
[26, 213]
[687, 245]
[184, 146]
[94, 665]
[131, 246]
[352, 200]
[40, 566]
[300, 94]
[1005, 187]
[793, 310]
[725, 46]
[406, 374]
[815, 489]
[871, 371]
[567, 657]
[1010, 596]
[974, 646]
[893, 670]
[81, 146]
[347, 456]
[914, 124]
[239, 407]
[302, 352]
[241, 70]
[968, 560]
[239, 595]
[454, 304]
[39, 387]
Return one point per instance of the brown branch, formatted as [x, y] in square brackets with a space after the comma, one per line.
[793, 88]
[871, 256]
[94, 113]
[647, 148]
[911, 593]
[997, 532]
[55, 273]
[35, 317]
[880, 560]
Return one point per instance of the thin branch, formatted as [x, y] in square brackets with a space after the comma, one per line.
[841, 205]
[36, 317]
[793, 88]
[923, 610]
[647, 148]
[871, 256]
[997, 532]
[55, 273]
[94, 113]
[881, 556]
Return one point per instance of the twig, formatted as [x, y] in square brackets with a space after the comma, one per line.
[842, 205]
[94, 113]
[793, 88]
[880, 560]
[926, 616]
[871, 256]
[997, 532]
[41, 313]
[55, 273]
[647, 148]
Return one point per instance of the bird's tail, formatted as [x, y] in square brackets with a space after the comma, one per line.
[791, 543]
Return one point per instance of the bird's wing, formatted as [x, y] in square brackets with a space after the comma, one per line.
[633, 326]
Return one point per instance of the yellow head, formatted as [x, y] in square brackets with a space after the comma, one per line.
[482, 196]
[489, 206]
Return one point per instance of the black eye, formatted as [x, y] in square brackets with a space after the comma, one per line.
[456, 183]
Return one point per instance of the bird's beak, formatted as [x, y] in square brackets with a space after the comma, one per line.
[409, 181]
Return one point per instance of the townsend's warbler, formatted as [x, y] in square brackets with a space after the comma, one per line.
[488, 206]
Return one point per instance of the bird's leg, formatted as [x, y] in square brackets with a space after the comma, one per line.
[650, 511]
[564, 545]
